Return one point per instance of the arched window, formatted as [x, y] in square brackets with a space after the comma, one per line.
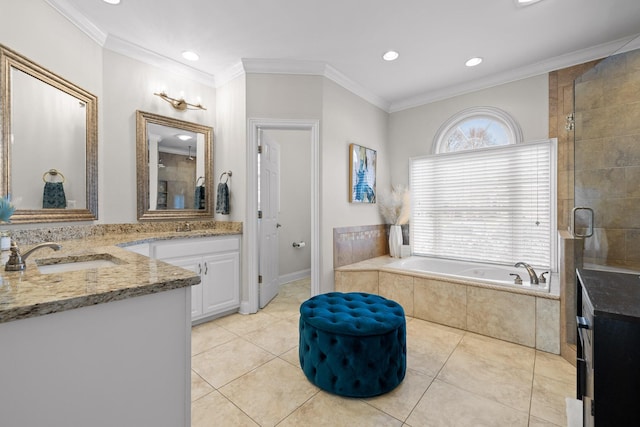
[484, 195]
[477, 127]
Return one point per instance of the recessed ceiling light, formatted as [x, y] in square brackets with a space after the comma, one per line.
[189, 55]
[112, 1]
[391, 55]
[525, 2]
[184, 137]
[472, 62]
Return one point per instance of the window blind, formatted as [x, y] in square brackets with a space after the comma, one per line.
[492, 205]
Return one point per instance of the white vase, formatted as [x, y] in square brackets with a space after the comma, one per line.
[395, 241]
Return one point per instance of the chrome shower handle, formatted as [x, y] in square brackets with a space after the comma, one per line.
[589, 231]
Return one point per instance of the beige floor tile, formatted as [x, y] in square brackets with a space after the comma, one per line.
[325, 409]
[537, 422]
[214, 410]
[199, 387]
[229, 361]
[548, 401]
[242, 324]
[485, 372]
[429, 345]
[271, 392]
[292, 356]
[554, 366]
[400, 401]
[444, 405]
[502, 383]
[498, 352]
[208, 335]
[283, 309]
[278, 337]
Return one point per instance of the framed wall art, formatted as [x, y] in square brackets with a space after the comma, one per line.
[362, 174]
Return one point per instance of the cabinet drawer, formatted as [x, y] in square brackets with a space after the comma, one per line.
[194, 247]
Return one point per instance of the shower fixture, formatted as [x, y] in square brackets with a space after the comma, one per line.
[189, 157]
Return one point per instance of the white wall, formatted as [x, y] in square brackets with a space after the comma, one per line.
[344, 118]
[34, 29]
[411, 131]
[230, 145]
[129, 86]
[347, 119]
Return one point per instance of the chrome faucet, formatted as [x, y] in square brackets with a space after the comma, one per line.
[16, 260]
[533, 278]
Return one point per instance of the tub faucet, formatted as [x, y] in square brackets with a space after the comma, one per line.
[17, 260]
[533, 278]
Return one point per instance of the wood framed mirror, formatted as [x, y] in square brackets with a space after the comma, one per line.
[49, 133]
[174, 170]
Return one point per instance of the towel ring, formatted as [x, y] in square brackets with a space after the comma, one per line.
[52, 172]
[198, 180]
[228, 173]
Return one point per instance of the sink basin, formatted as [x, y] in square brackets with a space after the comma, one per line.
[76, 263]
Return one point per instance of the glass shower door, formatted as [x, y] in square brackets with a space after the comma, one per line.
[607, 164]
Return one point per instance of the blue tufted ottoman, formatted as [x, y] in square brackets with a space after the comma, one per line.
[353, 344]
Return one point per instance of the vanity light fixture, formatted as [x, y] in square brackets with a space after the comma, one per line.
[179, 104]
[390, 55]
[112, 1]
[472, 62]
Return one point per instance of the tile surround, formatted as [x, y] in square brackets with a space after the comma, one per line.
[529, 320]
[354, 244]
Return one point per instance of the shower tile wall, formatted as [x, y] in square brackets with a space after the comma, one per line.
[607, 163]
[358, 243]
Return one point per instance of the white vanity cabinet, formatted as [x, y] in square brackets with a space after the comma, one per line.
[217, 261]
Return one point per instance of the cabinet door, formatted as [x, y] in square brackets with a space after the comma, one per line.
[221, 282]
[193, 264]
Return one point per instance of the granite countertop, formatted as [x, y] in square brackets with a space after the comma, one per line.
[29, 293]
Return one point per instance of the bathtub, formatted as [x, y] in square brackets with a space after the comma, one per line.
[490, 274]
[479, 298]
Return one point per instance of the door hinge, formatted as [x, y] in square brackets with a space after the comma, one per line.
[259, 279]
[259, 214]
[259, 149]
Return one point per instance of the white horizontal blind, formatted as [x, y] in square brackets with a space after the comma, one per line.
[488, 205]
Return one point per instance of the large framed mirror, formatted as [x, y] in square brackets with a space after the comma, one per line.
[48, 143]
[174, 168]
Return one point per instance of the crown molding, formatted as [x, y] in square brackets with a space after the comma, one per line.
[552, 64]
[79, 20]
[134, 51]
[342, 80]
[225, 76]
[315, 68]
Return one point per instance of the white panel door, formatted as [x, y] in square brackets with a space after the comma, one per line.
[269, 195]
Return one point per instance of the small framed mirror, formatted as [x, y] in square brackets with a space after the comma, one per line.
[174, 168]
[48, 143]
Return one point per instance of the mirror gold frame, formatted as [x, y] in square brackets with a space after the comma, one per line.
[143, 119]
[10, 59]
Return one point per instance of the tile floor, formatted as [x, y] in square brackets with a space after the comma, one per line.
[245, 372]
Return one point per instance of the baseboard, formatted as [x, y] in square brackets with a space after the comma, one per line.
[291, 277]
[244, 308]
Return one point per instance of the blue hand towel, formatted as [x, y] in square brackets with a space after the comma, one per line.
[222, 201]
[53, 196]
[198, 201]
